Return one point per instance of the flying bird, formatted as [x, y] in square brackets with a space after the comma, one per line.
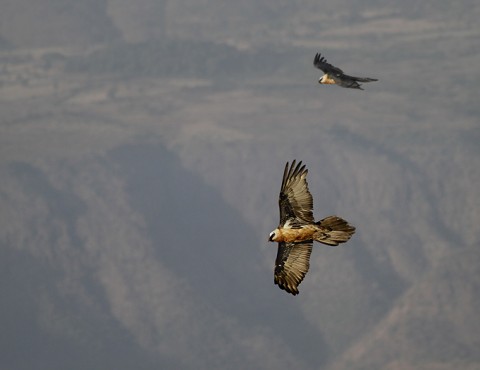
[298, 230]
[335, 76]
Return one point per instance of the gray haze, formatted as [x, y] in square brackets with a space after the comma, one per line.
[142, 146]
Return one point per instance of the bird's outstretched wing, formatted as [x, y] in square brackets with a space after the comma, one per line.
[295, 200]
[291, 265]
[322, 64]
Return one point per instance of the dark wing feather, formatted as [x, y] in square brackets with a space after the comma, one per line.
[295, 200]
[291, 265]
[321, 63]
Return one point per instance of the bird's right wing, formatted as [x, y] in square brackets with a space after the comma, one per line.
[322, 64]
[291, 265]
[295, 200]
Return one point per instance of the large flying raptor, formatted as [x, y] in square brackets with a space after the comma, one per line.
[335, 76]
[297, 229]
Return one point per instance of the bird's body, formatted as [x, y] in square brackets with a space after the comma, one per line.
[298, 230]
[327, 231]
[289, 235]
[335, 76]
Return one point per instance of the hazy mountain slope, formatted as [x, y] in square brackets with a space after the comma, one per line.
[337, 24]
[47, 23]
[433, 326]
[140, 182]
[103, 179]
[115, 248]
[404, 217]
[138, 21]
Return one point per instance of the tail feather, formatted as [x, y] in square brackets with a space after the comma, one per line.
[350, 83]
[364, 79]
[333, 231]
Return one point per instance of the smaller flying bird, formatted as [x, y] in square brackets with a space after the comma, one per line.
[335, 76]
[297, 229]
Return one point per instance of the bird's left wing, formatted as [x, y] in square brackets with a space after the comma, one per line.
[322, 64]
[291, 265]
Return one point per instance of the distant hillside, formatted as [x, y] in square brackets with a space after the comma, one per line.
[180, 58]
[97, 247]
[47, 23]
[140, 180]
[139, 20]
[310, 22]
[435, 322]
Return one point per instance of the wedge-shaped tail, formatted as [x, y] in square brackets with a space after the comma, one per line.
[333, 230]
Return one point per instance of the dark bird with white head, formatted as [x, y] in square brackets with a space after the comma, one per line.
[335, 76]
